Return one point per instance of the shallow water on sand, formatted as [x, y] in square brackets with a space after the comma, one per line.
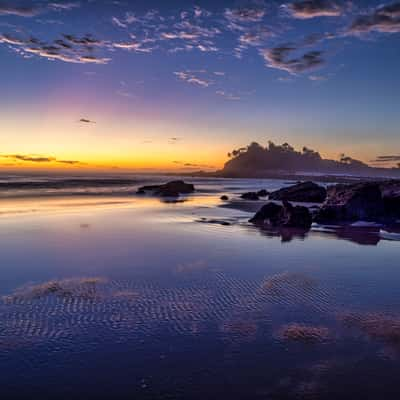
[133, 297]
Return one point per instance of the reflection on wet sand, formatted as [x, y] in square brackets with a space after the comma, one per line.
[240, 312]
[304, 333]
[368, 236]
[183, 296]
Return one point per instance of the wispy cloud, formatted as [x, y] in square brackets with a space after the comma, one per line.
[190, 77]
[280, 58]
[133, 45]
[253, 12]
[191, 165]
[29, 158]
[384, 19]
[8, 9]
[40, 159]
[174, 140]
[60, 6]
[86, 121]
[306, 9]
[227, 95]
[71, 162]
[386, 159]
[34, 10]
[70, 48]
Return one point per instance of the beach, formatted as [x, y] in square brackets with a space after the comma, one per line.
[147, 297]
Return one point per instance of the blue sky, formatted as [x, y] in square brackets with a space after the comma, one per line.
[145, 84]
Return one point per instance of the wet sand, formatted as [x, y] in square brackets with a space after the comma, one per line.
[135, 297]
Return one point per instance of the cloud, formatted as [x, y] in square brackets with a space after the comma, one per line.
[8, 39]
[29, 158]
[125, 93]
[306, 9]
[317, 78]
[191, 78]
[117, 22]
[254, 12]
[70, 49]
[252, 37]
[193, 35]
[385, 19]
[279, 58]
[226, 95]
[70, 162]
[201, 12]
[39, 159]
[58, 6]
[33, 11]
[86, 121]
[174, 140]
[133, 46]
[386, 159]
[192, 165]
[19, 11]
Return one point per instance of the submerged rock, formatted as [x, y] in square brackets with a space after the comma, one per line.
[223, 222]
[285, 215]
[355, 202]
[304, 333]
[308, 192]
[170, 189]
[250, 196]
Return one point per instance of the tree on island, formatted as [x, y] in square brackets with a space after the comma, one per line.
[256, 160]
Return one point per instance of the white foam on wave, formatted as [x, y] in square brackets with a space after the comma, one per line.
[389, 235]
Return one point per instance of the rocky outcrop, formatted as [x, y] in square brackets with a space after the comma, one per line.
[285, 215]
[391, 198]
[308, 192]
[262, 193]
[250, 196]
[356, 202]
[170, 189]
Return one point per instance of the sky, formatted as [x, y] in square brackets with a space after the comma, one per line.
[176, 85]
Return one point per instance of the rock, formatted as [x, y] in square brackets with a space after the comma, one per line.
[262, 193]
[285, 215]
[391, 198]
[268, 214]
[170, 189]
[140, 191]
[355, 202]
[167, 192]
[308, 192]
[224, 198]
[215, 221]
[296, 216]
[250, 196]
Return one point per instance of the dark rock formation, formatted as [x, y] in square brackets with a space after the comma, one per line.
[262, 193]
[302, 192]
[250, 196]
[356, 202]
[224, 198]
[170, 189]
[391, 198]
[285, 215]
[140, 191]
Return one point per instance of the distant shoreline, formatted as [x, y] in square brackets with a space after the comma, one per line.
[326, 178]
